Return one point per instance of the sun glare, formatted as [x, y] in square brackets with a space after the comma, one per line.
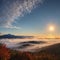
[51, 28]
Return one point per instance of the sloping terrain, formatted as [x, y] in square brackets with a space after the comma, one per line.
[48, 53]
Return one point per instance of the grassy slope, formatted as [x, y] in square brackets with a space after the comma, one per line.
[48, 53]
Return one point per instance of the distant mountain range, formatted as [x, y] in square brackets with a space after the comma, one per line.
[9, 36]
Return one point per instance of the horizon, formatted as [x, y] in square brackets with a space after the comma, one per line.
[45, 36]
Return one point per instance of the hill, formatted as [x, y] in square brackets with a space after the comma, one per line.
[48, 53]
[9, 36]
[53, 49]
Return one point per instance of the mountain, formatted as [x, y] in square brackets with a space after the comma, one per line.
[9, 36]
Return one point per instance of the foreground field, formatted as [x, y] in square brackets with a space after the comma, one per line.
[48, 53]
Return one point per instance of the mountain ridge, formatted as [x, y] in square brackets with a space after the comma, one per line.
[9, 36]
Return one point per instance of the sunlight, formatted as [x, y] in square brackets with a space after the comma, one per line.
[51, 28]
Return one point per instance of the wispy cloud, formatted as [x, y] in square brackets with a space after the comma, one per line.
[12, 9]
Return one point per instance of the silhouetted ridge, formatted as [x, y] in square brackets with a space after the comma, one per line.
[14, 36]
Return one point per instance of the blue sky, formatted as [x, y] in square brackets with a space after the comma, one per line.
[29, 17]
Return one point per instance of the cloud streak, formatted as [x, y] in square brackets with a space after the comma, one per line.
[12, 9]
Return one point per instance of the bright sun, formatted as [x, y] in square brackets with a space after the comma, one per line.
[51, 28]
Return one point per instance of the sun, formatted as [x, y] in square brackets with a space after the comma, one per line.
[51, 28]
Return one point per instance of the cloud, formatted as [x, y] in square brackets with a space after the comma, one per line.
[0, 33]
[12, 9]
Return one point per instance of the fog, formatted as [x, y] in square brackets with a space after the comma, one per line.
[28, 44]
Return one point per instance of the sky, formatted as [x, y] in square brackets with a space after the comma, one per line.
[29, 17]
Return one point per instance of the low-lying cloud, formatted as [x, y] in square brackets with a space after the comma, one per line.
[10, 10]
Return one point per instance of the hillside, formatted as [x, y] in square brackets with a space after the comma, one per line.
[48, 53]
[53, 49]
